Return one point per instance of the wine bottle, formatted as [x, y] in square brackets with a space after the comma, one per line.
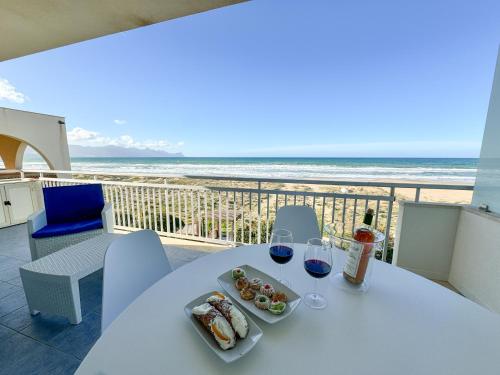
[359, 251]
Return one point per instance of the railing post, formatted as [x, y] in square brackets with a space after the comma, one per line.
[132, 212]
[259, 186]
[388, 225]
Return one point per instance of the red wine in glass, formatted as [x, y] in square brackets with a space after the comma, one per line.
[281, 250]
[281, 254]
[317, 268]
[318, 263]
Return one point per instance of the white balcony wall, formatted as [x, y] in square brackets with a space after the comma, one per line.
[475, 267]
[453, 243]
[487, 189]
[425, 237]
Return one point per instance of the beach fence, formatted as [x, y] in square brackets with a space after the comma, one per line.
[234, 211]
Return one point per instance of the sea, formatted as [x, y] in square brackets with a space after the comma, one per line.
[462, 170]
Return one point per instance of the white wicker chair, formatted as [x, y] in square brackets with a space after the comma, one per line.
[40, 247]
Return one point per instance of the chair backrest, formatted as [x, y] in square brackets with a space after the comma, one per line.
[73, 203]
[132, 264]
[300, 220]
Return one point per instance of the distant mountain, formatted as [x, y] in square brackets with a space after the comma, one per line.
[76, 151]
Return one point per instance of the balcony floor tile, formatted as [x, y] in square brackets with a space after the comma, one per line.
[7, 289]
[45, 343]
[5, 333]
[17, 319]
[80, 338]
[12, 302]
[21, 355]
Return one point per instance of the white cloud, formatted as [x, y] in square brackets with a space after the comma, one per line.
[80, 134]
[120, 122]
[181, 143]
[9, 93]
[84, 137]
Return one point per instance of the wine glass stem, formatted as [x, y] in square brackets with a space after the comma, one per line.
[315, 288]
[281, 272]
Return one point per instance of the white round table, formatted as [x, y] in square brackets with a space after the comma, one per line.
[404, 324]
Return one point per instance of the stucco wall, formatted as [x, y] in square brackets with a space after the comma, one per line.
[44, 133]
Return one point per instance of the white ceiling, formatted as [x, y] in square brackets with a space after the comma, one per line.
[29, 26]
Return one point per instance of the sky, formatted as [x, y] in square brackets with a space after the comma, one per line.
[278, 78]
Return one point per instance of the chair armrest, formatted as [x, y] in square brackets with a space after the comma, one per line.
[36, 221]
[107, 216]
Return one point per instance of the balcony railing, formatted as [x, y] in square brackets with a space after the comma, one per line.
[235, 214]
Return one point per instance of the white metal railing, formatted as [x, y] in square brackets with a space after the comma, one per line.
[231, 214]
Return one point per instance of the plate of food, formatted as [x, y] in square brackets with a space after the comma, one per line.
[259, 293]
[230, 332]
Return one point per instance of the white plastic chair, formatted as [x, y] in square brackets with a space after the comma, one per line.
[300, 220]
[132, 264]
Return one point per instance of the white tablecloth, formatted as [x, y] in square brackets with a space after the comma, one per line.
[404, 325]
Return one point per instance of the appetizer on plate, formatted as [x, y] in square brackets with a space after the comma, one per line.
[247, 294]
[262, 302]
[267, 290]
[277, 302]
[237, 273]
[277, 308]
[241, 283]
[221, 325]
[230, 312]
[256, 283]
[218, 326]
[263, 295]
[279, 297]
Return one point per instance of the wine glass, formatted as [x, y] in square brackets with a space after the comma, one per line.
[281, 250]
[317, 263]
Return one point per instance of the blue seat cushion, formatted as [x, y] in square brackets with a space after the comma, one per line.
[53, 230]
[67, 204]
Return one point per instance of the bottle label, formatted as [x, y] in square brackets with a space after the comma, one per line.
[353, 257]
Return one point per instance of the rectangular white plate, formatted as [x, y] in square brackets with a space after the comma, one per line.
[226, 281]
[243, 346]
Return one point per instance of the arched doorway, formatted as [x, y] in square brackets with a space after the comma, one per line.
[12, 152]
[33, 160]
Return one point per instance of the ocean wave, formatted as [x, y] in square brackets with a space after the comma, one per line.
[279, 170]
